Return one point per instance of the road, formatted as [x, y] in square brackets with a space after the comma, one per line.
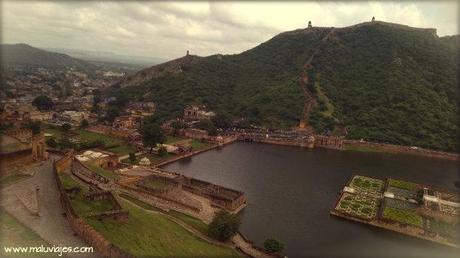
[50, 224]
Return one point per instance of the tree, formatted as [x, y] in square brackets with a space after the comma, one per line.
[273, 245]
[132, 157]
[152, 134]
[66, 127]
[52, 142]
[162, 151]
[97, 97]
[35, 127]
[222, 120]
[66, 143]
[208, 126]
[177, 125]
[43, 102]
[112, 113]
[84, 123]
[224, 225]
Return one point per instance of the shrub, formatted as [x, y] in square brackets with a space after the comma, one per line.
[66, 127]
[273, 245]
[52, 143]
[162, 151]
[224, 225]
[132, 157]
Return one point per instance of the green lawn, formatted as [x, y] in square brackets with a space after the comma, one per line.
[122, 149]
[140, 203]
[89, 136]
[154, 235]
[154, 158]
[356, 205]
[67, 181]
[198, 145]
[156, 184]
[100, 171]
[113, 144]
[82, 206]
[170, 139]
[56, 133]
[403, 216]
[402, 184]
[15, 234]
[367, 185]
[191, 221]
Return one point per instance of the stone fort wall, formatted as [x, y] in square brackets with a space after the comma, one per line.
[392, 148]
[103, 246]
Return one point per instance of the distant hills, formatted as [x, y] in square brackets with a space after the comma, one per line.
[26, 56]
[108, 57]
[385, 82]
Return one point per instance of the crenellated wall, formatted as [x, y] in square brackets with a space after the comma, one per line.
[93, 238]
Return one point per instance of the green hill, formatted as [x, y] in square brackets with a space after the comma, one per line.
[26, 56]
[385, 82]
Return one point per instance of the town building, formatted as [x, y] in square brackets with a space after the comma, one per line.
[20, 147]
[197, 113]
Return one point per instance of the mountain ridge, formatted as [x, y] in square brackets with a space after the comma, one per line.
[362, 75]
[24, 55]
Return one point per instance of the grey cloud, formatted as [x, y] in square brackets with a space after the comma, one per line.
[159, 29]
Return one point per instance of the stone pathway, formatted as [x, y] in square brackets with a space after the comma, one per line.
[50, 224]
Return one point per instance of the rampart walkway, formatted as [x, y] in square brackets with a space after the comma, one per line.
[50, 224]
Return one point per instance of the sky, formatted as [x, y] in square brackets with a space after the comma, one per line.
[168, 29]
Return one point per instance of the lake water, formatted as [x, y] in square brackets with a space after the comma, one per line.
[291, 190]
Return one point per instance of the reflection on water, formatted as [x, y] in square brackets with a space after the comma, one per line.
[290, 191]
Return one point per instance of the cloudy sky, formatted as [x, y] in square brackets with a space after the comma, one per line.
[168, 29]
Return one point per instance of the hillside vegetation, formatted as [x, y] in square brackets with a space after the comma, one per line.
[384, 82]
[25, 56]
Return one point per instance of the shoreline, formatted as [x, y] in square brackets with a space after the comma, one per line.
[364, 146]
[356, 146]
[193, 153]
[394, 228]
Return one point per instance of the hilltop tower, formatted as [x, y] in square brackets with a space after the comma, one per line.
[373, 19]
[187, 53]
[309, 24]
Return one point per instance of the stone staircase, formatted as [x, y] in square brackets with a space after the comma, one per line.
[310, 101]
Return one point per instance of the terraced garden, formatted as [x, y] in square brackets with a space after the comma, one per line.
[78, 201]
[403, 184]
[156, 184]
[367, 185]
[361, 206]
[398, 204]
[403, 216]
[101, 171]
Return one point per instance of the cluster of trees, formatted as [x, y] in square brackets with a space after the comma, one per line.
[259, 85]
[43, 103]
[386, 84]
[392, 85]
[224, 225]
[152, 135]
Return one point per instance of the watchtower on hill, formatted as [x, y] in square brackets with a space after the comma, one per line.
[373, 19]
[309, 24]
